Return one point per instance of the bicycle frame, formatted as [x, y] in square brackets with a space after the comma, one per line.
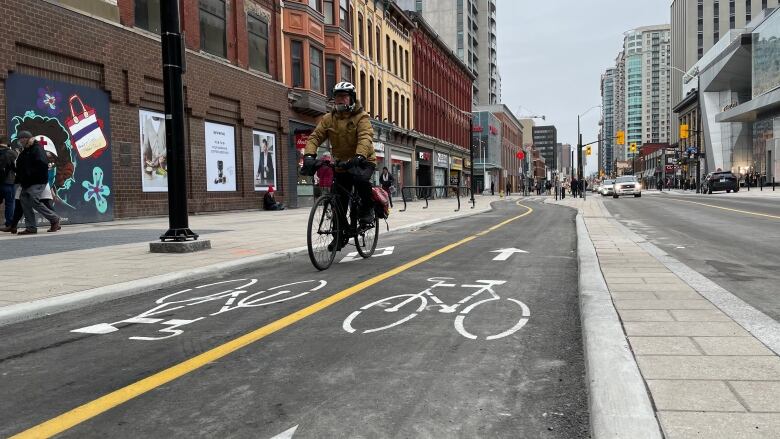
[448, 309]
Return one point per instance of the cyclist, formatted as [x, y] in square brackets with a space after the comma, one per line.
[351, 136]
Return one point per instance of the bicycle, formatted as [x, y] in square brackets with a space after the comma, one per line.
[389, 305]
[326, 236]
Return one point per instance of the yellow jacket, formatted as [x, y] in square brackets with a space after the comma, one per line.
[349, 134]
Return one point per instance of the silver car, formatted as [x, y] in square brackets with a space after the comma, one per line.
[627, 185]
[606, 187]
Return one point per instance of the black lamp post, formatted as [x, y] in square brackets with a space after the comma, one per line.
[173, 68]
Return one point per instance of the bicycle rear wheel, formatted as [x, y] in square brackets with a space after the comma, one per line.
[366, 239]
[323, 229]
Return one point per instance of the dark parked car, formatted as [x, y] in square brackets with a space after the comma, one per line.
[720, 181]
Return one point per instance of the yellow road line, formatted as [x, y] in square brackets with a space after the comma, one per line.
[93, 408]
[726, 208]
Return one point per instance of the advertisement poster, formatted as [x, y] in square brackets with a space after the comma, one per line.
[154, 166]
[72, 124]
[220, 157]
[264, 159]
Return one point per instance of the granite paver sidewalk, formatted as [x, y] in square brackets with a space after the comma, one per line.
[234, 236]
[706, 375]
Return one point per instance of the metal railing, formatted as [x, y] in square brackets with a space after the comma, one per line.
[435, 192]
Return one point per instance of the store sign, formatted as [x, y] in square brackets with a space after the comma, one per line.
[456, 164]
[301, 139]
[467, 163]
[493, 130]
[442, 160]
[424, 156]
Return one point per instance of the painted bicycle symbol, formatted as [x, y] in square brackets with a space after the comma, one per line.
[409, 306]
[230, 299]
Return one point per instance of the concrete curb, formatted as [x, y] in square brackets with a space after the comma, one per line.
[763, 327]
[619, 404]
[66, 302]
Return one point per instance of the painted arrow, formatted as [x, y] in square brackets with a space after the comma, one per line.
[505, 253]
[287, 434]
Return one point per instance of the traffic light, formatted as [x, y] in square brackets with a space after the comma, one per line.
[587, 150]
[684, 131]
[621, 137]
[633, 147]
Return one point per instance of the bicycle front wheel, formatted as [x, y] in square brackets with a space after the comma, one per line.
[366, 239]
[323, 232]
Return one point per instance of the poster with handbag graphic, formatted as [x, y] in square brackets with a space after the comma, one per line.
[71, 123]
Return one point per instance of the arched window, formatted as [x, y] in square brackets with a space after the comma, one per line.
[370, 106]
[363, 88]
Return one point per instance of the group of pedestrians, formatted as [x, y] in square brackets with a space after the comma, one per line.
[24, 173]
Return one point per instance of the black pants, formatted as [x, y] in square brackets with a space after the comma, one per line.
[19, 214]
[389, 196]
[344, 184]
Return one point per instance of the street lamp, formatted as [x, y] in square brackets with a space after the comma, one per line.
[579, 150]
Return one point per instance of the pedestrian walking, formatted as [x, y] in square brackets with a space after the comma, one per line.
[386, 180]
[7, 178]
[564, 186]
[32, 173]
[547, 187]
[574, 187]
[492, 187]
[508, 188]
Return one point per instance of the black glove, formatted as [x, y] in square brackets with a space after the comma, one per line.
[357, 162]
[309, 164]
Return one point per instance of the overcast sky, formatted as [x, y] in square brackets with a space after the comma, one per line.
[551, 54]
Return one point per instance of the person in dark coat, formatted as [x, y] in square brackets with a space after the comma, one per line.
[269, 202]
[7, 179]
[32, 173]
[386, 180]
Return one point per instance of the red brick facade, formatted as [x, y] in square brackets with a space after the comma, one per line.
[126, 63]
[442, 88]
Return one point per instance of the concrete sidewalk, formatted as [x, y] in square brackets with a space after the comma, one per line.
[707, 376]
[49, 282]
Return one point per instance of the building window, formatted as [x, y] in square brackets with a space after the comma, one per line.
[362, 87]
[328, 10]
[361, 45]
[315, 71]
[330, 76]
[370, 45]
[344, 15]
[212, 27]
[390, 105]
[378, 46]
[389, 60]
[370, 103]
[395, 58]
[748, 9]
[379, 98]
[408, 113]
[346, 69]
[403, 112]
[147, 15]
[296, 55]
[315, 4]
[396, 114]
[257, 31]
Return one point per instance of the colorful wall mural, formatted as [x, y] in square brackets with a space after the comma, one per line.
[72, 123]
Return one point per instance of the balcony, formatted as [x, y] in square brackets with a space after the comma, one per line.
[308, 102]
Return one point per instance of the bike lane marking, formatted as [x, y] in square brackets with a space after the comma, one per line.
[106, 402]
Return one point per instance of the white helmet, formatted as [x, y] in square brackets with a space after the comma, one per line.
[346, 87]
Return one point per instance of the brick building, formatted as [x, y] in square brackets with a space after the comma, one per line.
[383, 76]
[99, 61]
[317, 53]
[442, 103]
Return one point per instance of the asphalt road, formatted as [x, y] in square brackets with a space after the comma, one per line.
[720, 236]
[239, 360]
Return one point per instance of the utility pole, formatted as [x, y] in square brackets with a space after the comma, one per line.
[471, 158]
[173, 68]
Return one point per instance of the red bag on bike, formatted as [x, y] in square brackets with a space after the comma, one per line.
[381, 202]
